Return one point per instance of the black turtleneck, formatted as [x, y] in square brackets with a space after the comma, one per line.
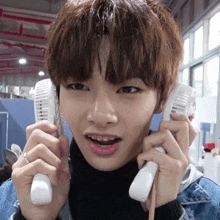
[99, 195]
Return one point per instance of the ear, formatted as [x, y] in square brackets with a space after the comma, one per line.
[160, 106]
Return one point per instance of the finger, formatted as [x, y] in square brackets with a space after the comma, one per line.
[180, 131]
[163, 138]
[27, 172]
[191, 117]
[64, 146]
[45, 126]
[64, 152]
[163, 160]
[192, 132]
[40, 137]
[22, 161]
[43, 153]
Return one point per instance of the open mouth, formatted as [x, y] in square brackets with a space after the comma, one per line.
[104, 141]
[103, 145]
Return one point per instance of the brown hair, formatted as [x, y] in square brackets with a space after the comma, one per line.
[145, 42]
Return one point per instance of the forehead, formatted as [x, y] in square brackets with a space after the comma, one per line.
[104, 49]
[103, 64]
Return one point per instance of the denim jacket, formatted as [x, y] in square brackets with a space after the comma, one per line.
[200, 200]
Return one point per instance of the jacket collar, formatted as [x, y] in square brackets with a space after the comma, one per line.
[193, 194]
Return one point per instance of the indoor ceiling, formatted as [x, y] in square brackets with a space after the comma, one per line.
[23, 27]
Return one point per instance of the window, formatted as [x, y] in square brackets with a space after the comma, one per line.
[198, 42]
[211, 77]
[198, 80]
[201, 68]
[184, 77]
[186, 51]
[214, 31]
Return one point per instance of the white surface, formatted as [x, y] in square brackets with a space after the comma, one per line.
[212, 167]
[44, 109]
[141, 186]
[206, 109]
[41, 190]
[143, 181]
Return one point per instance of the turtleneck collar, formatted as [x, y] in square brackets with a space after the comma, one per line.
[101, 195]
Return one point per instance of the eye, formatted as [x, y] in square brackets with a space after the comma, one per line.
[129, 89]
[78, 86]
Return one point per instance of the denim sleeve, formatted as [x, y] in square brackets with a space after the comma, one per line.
[218, 217]
[184, 216]
[8, 200]
[9, 205]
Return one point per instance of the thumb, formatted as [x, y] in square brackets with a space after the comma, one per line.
[64, 146]
[64, 152]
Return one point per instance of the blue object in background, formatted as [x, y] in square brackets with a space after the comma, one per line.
[20, 115]
[206, 130]
[3, 132]
[156, 121]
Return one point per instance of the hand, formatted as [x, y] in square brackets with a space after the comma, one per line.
[47, 155]
[176, 137]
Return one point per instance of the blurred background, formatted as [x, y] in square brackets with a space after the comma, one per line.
[23, 27]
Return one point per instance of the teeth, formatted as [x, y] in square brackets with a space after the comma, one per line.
[105, 139]
[93, 137]
[100, 138]
[105, 146]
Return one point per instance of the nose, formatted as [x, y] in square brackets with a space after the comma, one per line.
[102, 112]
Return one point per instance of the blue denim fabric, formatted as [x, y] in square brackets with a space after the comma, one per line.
[200, 200]
[8, 200]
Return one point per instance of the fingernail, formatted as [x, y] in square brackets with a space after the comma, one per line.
[53, 126]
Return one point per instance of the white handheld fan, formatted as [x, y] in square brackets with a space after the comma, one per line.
[45, 108]
[181, 101]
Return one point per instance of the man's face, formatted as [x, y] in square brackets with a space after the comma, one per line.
[109, 122]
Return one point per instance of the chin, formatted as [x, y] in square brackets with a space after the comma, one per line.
[105, 165]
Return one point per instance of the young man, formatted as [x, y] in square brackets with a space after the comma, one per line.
[113, 63]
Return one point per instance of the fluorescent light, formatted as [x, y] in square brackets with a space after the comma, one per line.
[22, 61]
[41, 73]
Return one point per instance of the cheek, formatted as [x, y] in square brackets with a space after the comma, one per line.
[71, 111]
[139, 128]
[138, 115]
[138, 120]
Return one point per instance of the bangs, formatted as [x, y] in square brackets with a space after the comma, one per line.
[138, 43]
